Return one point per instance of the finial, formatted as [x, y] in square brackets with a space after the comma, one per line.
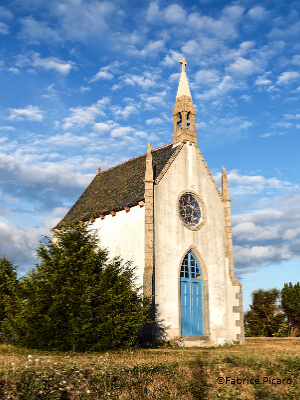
[183, 64]
[99, 170]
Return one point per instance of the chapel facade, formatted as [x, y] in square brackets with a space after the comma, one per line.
[164, 211]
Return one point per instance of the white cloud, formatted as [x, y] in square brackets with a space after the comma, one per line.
[263, 80]
[121, 131]
[101, 127]
[243, 185]
[269, 234]
[32, 113]
[288, 77]
[291, 116]
[84, 20]
[243, 67]
[102, 75]
[282, 124]
[221, 28]
[145, 81]
[257, 13]
[154, 121]
[28, 170]
[83, 89]
[153, 47]
[19, 243]
[107, 72]
[207, 77]
[296, 59]
[226, 85]
[37, 30]
[155, 101]
[4, 29]
[153, 13]
[7, 128]
[52, 63]
[233, 12]
[172, 58]
[14, 70]
[174, 14]
[65, 140]
[286, 31]
[81, 116]
[257, 255]
[123, 113]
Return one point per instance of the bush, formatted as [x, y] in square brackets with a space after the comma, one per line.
[77, 299]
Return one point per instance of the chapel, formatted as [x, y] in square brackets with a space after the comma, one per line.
[165, 212]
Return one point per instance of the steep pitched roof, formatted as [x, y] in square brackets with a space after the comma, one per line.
[117, 187]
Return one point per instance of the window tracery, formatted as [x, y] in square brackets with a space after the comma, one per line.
[189, 209]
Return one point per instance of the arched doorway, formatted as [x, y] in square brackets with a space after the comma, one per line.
[191, 296]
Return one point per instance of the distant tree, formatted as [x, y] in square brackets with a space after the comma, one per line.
[77, 299]
[9, 292]
[265, 317]
[290, 300]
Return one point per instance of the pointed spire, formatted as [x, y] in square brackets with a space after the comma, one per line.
[183, 87]
[149, 166]
[184, 112]
[225, 190]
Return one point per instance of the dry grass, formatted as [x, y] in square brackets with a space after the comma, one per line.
[188, 373]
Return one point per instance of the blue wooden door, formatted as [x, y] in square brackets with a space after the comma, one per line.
[191, 297]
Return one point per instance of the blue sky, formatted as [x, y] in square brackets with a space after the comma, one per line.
[85, 84]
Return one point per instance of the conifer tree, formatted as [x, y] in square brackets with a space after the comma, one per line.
[290, 300]
[265, 317]
[9, 292]
[77, 299]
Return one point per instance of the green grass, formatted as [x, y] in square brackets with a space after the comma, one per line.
[185, 373]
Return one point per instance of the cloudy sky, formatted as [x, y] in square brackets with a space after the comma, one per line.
[87, 84]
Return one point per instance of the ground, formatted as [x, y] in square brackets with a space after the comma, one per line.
[264, 368]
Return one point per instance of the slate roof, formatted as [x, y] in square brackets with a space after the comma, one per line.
[117, 187]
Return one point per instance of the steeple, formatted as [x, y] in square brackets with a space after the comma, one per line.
[184, 111]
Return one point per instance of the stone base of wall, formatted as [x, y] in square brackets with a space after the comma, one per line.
[197, 341]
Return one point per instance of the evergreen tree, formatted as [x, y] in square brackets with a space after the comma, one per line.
[265, 317]
[290, 300]
[77, 299]
[9, 292]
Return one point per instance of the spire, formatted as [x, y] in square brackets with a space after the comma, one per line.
[225, 191]
[183, 87]
[184, 111]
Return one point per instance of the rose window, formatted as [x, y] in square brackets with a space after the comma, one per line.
[189, 209]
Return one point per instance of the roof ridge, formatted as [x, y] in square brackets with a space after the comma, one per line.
[134, 158]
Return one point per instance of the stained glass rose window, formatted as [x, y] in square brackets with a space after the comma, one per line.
[189, 209]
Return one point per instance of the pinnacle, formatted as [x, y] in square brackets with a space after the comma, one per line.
[183, 87]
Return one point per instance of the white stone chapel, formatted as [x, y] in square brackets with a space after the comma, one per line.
[164, 211]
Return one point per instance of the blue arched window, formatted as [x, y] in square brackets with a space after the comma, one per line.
[191, 296]
[190, 267]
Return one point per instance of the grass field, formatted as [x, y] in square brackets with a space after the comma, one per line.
[265, 368]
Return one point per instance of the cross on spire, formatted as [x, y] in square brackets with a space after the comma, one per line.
[183, 64]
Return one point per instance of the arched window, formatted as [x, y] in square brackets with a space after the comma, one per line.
[190, 267]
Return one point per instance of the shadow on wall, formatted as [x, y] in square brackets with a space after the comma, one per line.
[153, 333]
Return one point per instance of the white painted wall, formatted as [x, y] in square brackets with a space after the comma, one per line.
[124, 235]
[172, 240]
